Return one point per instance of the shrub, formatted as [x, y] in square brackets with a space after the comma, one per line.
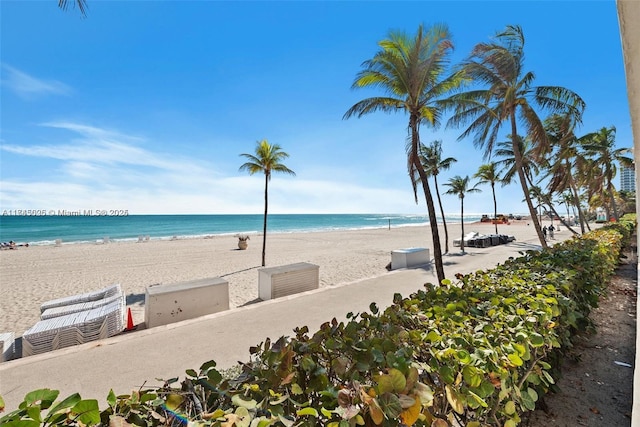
[475, 352]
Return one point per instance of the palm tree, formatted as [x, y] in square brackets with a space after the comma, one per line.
[268, 158]
[566, 160]
[460, 186]
[409, 70]
[81, 4]
[507, 162]
[600, 146]
[488, 174]
[509, 97]
[433, 163]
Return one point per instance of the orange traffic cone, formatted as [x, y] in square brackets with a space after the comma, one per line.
[130, 326]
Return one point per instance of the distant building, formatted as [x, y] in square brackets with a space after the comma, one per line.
[628, 179]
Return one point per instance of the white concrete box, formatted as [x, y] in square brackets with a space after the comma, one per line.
[275, 282]
[164, 304]
[410, 257]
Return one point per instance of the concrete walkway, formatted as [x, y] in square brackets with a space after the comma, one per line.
[135, 359]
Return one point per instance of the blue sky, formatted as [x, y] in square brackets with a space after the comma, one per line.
[147, 105]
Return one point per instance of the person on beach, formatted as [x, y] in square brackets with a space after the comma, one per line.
[551, 229]
[544, 232]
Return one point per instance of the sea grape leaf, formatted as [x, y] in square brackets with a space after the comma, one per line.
[515, 359]
[472, 376]
[510, 408]
[307, 411]
[424, 393]
[536, 339]
[376, 412]
[398, 380]
[87, 411]
[390, 405]
[410, 415]
[45, 396]
[454, 399]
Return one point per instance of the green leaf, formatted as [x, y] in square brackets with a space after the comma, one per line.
[45, 396]
[237, 400]
[307, 411]
[515, 359]
[527, 402]
[536, 339]
[398, 379]
[390, 405]
[34, 413]
[510, 408]
[463, 356]
[87, 411]
[191, 373]
[434, 336]
[111, 398]
[66, 403]
[327, 413]
[548, 377]
[472, 376]
[475, 401]
[296, 389]
[447, 374]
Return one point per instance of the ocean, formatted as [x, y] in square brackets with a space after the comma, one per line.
[83, 227]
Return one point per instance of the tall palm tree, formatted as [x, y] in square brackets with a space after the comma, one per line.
[488, 174]
[460, 186]
[600, 146]
[507, 162]
[433, 163]
[267, 159]
[566, 159]
[508, 97]
[410, 70]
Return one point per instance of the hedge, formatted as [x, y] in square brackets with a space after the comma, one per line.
[477, 351]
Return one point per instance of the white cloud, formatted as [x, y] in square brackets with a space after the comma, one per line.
[27, 86]
[104, 169]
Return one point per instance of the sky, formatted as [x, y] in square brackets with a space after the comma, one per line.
[147, 105]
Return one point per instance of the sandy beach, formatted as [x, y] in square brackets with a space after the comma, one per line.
[33, 275]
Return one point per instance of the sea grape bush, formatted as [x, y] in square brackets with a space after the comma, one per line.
[477, 351]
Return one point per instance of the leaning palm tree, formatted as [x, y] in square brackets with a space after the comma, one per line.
[433, 163]
[410, 70]
[488, 174]
[600, 146]
[507, 160]
[508, 97]
[460, 186]
[267, 159]
[565, 160]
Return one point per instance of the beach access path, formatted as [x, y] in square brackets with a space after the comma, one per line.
[136, 359]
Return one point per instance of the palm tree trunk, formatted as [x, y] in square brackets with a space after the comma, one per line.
[264, 227]
[523, 181]
[435, 235]
[613, 201]
[555, 213]
[576, 199]
[495, 205]
[444, 222]
[462, 223]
